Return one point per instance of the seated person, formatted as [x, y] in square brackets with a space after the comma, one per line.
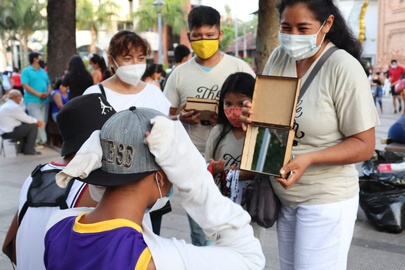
[138, 174]
[17, 125]
[59, 97]
[76, 121]
[396, 132]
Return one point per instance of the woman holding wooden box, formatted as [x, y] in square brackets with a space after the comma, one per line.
[335, 122]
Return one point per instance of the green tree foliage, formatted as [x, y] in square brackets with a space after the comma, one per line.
[228, 28]
[173, 15]
[19, 20]
[228, 37]
[94, 17]
[228, 20]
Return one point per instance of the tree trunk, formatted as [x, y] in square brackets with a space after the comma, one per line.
[267, 32]
[61, 35]
[93, 40]
[24, 41]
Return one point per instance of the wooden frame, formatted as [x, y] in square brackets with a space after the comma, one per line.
[270, 136]
[207, 107]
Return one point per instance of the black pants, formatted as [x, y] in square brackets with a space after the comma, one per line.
[27, 134]
[156, 217]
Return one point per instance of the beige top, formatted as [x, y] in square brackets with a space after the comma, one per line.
[337, 104]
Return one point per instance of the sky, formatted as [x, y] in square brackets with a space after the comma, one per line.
[240, 8]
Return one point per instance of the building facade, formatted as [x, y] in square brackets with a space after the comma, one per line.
[391, 32]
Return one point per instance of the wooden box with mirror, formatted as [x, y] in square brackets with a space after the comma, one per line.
[269, 138]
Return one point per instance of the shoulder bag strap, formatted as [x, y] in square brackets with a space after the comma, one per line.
[315, 70]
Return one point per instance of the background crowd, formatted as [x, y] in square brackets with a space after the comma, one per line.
[314, 226]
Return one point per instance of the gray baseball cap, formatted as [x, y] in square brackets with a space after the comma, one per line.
[126, 158]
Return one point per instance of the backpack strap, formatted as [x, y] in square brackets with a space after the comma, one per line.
[25, 206]
[22, 212]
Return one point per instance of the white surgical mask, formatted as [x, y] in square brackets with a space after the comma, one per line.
[394, 66]
[130, 74]
[160, 203]
[300, 46]
[96, 192]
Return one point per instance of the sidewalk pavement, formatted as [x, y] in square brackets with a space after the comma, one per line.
[370, 249]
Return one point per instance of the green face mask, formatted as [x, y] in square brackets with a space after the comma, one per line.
[205, 48]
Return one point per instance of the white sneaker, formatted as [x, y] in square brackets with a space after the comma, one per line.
[39, 146]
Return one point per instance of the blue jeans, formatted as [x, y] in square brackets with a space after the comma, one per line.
[54, 116]
[196, 233]
[40, 112]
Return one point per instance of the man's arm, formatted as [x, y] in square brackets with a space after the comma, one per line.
[21, 116]
[189, 117]
[9, 241]
[36, 93]
[173, 113]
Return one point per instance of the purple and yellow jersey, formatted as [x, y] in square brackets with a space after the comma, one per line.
[111, 244]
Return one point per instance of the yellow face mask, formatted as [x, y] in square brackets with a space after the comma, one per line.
[205, 48]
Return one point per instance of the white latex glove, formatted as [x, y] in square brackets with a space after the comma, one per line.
[86, 160]
[175, 153]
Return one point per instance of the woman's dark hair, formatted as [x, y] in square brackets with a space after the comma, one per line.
[124, 41]
[339, 34]
[203, 15]
[151, 69]
[56, 82]
[236, 83]
[99, 60]
[377, 81]
[76, 66]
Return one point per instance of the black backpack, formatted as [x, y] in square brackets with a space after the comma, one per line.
[44, 192]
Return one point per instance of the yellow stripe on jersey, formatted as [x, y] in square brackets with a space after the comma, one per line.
[102, 226]
[144, 260]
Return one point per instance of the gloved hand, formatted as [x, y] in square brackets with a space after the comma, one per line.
[175, 153]
[186, 169]
[86, 160]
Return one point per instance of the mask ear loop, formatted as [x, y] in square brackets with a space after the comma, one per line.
[115, 63]
[157, 183]
[323, 38]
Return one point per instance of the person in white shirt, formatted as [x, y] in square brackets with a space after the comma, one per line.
[16, 125]
[127, 55]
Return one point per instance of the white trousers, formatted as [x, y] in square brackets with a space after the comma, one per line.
[312, 237]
